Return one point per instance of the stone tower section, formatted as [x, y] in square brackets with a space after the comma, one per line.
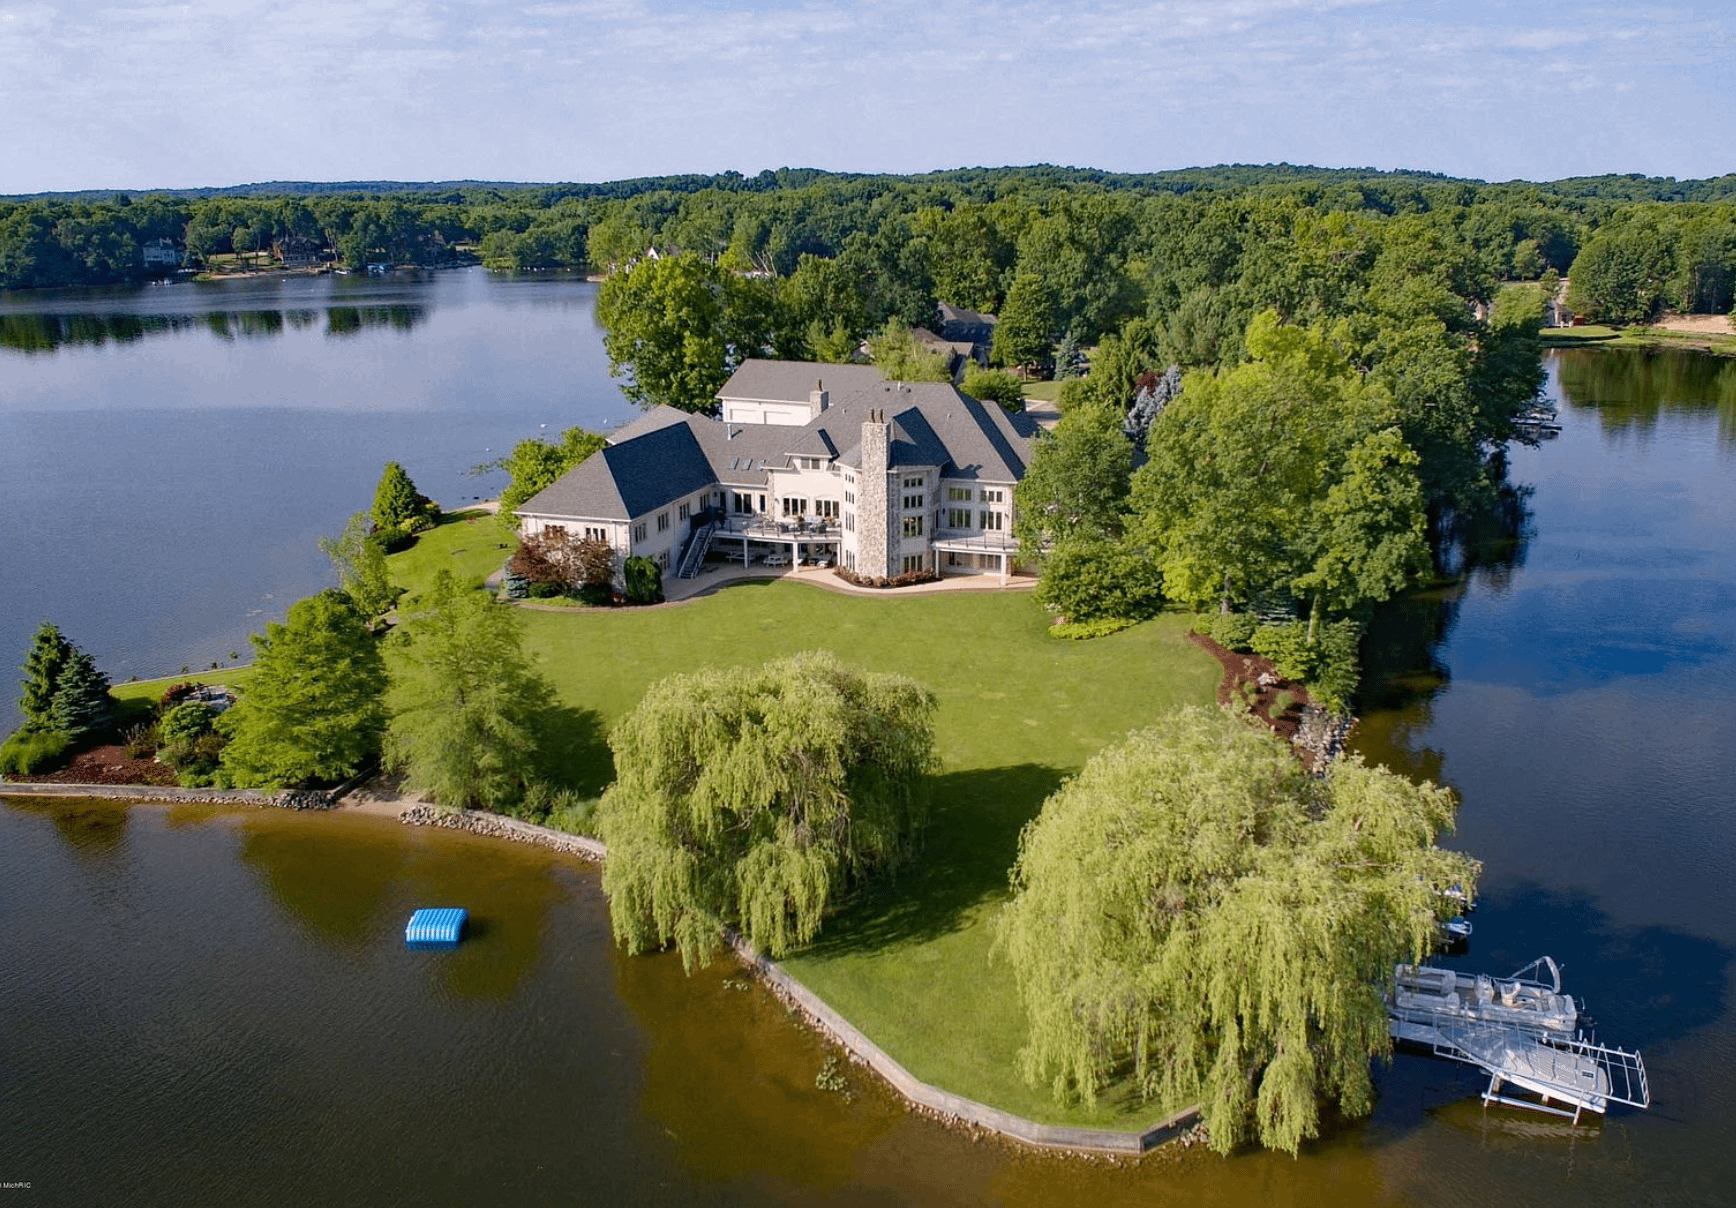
[874, 514]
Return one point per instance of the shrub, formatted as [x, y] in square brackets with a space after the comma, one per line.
[1081, 630]
[1093, 579]
[575, 816]
[1328, 665]
[141, 739]
[644, 581]
[1233, 630]
[26, 753]
[185, 723]
[175, 694]
[994, 386]
[1288, 647]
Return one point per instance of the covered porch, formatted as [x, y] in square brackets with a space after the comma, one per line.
[975, 554]
[749, 540]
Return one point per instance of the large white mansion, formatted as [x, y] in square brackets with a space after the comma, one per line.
[812, 462]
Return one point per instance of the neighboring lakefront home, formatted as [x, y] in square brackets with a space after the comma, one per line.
[809, 462]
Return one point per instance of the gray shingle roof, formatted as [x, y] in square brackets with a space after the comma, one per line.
[790, 381]
[619, 482]
[667, 454]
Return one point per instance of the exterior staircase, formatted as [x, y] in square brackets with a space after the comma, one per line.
[693, 555]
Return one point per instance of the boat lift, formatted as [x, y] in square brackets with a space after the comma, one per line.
[1522, 1032]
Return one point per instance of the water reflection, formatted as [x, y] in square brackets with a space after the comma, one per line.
[338, 891]
[89, 827]
[46, 333]
[1630, 389]
[357, 891]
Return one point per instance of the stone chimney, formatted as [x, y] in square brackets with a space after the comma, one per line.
[874, 514]
[818, 399]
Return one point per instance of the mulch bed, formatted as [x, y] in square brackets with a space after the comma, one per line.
[106, 765]
[1249, 669]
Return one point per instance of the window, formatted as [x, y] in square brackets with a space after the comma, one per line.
[850, 478]
[994, 522]
[663, 522]
[849, 522]
[826, 509]
[958, 518]
[849, 496]
[663, 560]
[958, 494]
[913, 526]
[555, 530]
[849, 559]
[795, 507]
[743, 504]
[595, 534]
[639, 531]
[912, 562]
[762, 503]
[993, 496]
[685, 512]
[914, 503]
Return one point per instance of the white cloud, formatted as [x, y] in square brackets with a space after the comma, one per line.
[259, 89]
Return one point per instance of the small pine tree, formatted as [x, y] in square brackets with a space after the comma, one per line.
[396, 503]
[43, 667]
[82, 705]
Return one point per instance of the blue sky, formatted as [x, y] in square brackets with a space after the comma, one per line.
[213, 92]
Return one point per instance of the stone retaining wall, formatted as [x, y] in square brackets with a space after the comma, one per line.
[945, 1105]
[289, 799]
[931, 1100]
[495, 826]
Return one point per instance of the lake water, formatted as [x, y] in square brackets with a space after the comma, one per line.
[202, 1006]
[170, 455]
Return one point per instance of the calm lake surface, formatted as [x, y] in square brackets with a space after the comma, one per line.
[208, 1006]
[170, 455]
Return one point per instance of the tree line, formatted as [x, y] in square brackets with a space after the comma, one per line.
[1104, 246]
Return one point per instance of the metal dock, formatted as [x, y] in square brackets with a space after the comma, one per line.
[1521, 1045]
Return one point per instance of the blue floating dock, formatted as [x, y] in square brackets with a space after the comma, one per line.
[435, 927]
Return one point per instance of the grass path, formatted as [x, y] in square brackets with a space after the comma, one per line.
[1019, 711]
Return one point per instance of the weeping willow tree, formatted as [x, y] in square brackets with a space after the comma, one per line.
[749, 798]
[1193, 912]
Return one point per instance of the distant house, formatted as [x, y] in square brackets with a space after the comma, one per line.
[808, 462]
[160, 253]
[296, 251]
[959, 354]
[961, 326]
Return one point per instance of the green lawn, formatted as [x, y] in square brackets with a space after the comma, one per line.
[1585, 334]
[1047, 391]
[1018, 712]
[471, 544]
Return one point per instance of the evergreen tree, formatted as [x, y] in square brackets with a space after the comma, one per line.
[82, 705]
[465, 702]
[49, 652]
[312, 709]
[396, 503]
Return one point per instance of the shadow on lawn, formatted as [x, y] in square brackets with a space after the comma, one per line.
[970, 846]
[576, 743]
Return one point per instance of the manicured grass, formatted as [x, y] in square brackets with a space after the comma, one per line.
[1578, 335]
[909, 964]
[1047, 391]
[136, 700]
[471, 544]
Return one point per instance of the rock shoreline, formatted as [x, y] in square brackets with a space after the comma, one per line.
[288, 799]
[495, 826]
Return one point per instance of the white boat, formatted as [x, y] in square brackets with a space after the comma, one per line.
[1521, 1000]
